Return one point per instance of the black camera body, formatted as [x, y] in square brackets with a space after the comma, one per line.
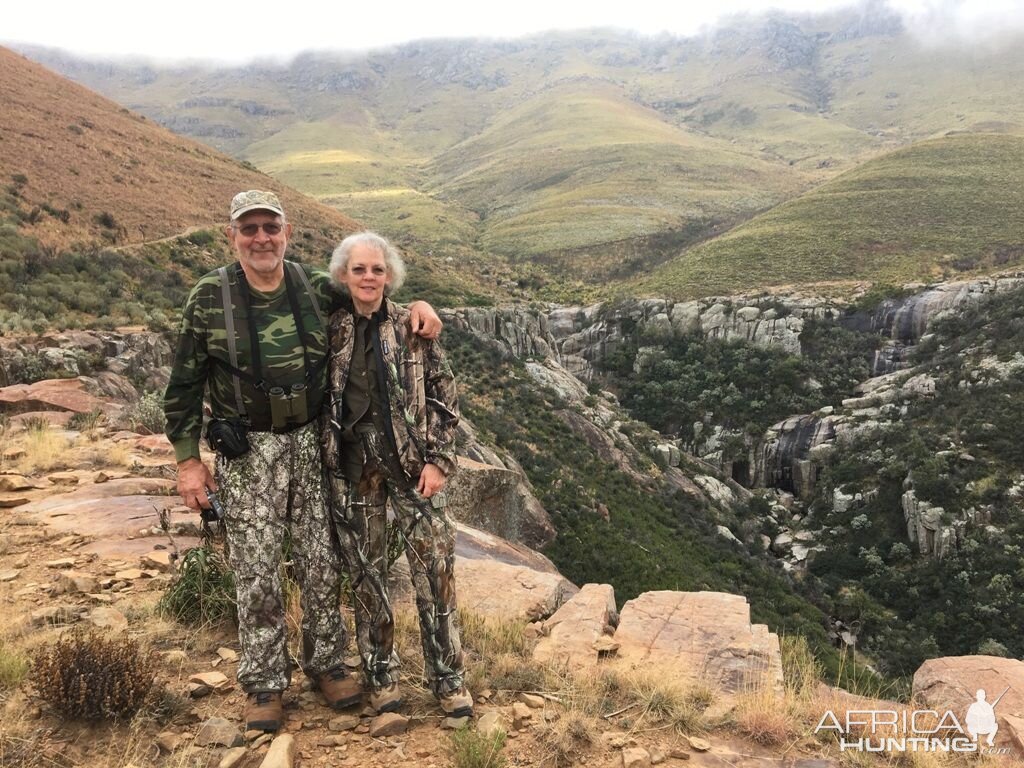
[228, 438]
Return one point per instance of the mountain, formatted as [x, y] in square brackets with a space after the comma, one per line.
[108, 217]
[563, 160]
[925, 212]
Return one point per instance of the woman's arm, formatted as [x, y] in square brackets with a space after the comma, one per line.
[442, 403]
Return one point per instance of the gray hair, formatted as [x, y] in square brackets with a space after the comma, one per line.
[394, 262]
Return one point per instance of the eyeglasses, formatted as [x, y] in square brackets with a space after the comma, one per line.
[249, 230]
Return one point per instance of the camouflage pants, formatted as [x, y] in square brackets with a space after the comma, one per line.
[277, 486]
[360, 516]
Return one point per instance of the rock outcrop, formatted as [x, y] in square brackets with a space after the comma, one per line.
[954, 683]
[572, 633]
[702, 637]
[498, 500]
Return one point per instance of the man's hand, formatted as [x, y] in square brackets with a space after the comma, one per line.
[424, 320]
[432, 480]
[193, 480]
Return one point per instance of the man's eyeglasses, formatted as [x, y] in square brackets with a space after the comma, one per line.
[249, 230]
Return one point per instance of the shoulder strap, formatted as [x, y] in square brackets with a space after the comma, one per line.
[304, 279]
[229, 327]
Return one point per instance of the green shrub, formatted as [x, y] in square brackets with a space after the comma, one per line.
[146, 415]
[203, 591]
[471, 749]
[201, 237]
[91, 677]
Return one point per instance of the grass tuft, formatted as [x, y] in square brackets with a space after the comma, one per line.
[471, 749]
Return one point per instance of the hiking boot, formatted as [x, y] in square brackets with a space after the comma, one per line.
[263, 711]
[386, 699]
[457, 703]
[340, 689]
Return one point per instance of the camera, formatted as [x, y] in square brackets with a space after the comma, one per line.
[228, 438]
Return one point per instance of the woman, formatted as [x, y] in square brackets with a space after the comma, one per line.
[390, 434]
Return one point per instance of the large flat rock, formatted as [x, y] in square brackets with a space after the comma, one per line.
[111, 512]
[52, 395]
[495, 578]
[574, 629]
[701, 635]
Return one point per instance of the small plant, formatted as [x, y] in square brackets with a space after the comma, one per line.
[567, 738]
[36, 423]
[472, 749]
[85, 422]
[146, 416]
[91, 677]
[13, 667]
[203, 592]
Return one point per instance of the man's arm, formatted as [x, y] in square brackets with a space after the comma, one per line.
[183, 405]
[424, 320]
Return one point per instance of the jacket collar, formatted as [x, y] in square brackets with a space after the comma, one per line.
[378, 317]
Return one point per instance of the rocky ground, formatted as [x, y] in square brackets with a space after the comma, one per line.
[89, 534]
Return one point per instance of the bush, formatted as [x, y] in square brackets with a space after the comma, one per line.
[88, 676]
[147, 414]
[203, 592]
[471, 749]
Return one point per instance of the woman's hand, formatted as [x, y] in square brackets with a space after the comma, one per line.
[432, 480]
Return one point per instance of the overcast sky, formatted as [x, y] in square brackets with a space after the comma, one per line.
[239, 32]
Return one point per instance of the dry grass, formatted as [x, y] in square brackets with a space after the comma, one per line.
[45, 450]
[567, 738]
[108, 454]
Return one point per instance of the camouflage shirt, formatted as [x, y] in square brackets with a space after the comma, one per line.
[203, 351]
[421, 400]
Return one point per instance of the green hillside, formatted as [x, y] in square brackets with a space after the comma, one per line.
[580, 165]
[566, 160]
[935, 209]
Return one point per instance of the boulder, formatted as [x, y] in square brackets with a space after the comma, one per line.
[494, 577]
[704, 635]
[570, 634]
[953, 683]
[497, 500]
[52, 395]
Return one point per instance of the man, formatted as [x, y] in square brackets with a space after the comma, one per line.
[253, 337]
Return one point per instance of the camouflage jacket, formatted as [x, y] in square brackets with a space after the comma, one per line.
[421, 396]
[202, 345]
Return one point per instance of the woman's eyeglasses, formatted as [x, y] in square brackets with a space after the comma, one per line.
[249, 230]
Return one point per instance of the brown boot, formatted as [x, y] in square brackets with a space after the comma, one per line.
[386, 699]
[340, 689]
[457, 703]
[263, 711]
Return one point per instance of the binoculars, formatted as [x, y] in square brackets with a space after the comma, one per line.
[288, 407]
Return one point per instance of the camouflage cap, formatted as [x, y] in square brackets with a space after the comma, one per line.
[255, 200]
